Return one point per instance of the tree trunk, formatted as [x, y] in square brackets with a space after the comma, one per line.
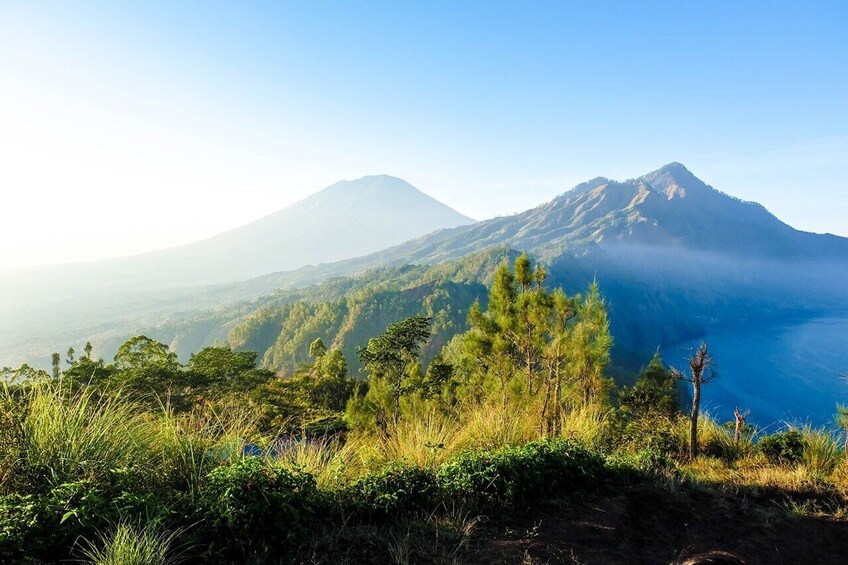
[693, 424]
[557, 402]
[544, 423]
[396, 394]
[740, 421]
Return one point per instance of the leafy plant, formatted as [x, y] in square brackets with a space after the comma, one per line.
[786, 447]
[252, 506]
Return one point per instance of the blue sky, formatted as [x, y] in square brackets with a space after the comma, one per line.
[127, 127]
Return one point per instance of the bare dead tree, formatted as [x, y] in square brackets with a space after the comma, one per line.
[700, 373]
[740, 424]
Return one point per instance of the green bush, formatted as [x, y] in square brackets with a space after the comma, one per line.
[522, 474]
[253, 506]
[19, 521]
[45, 526]
[785, 447]
[397, 488]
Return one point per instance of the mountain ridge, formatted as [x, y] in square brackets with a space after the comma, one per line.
[663, 239]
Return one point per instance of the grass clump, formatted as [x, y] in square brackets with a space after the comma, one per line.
[55, 436]
[821, 454]
[127, 544]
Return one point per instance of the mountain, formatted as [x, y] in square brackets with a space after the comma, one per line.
[669, 208]
[675, 259]
[347, 219]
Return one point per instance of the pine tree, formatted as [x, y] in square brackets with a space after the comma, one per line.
[57, 371]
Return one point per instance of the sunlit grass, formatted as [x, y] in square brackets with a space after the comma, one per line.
[127, 544]
[586, 424]
[821, 454]
[60, 437]
[499, 422]
[330, 461]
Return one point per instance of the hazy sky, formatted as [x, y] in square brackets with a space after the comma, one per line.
[128, 127]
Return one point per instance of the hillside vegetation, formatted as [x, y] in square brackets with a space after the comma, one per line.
[507, 442]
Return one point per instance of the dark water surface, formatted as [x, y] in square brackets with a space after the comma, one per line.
[792, 371]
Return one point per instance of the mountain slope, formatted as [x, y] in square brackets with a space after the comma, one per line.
[669, 207]
[673, 255]
[347, 219]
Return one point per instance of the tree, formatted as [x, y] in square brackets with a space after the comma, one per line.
[86, 371]
[513, 331]
[24, 373]
[317, 349]
[654, 393]
[739, 418]
[590, 345]
[145, 365]
[71, 353]
[57, 366]
[220, 366]
[389, 356]
[88, 349]
[548, 338]
[701, 373]
[554, 357]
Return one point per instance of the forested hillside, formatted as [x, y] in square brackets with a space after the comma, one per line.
[147, 459]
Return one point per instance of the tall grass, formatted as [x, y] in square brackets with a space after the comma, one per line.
[127, 544]
[821, 453]
[59, 437]
[426, 442]
[496, 422]
[328, 460]
[191, 445]
[586, 424]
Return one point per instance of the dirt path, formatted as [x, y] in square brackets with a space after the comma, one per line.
[646, 524]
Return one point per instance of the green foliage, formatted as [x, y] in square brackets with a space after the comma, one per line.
[19, 526]
[522, 474]
[253, 507]
[653, 394]
[222, 366]
[390, 358]
[394, 489]
[786, 447]
[146, 368]
[85, 371]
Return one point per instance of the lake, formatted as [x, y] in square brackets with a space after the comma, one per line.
[792, 371]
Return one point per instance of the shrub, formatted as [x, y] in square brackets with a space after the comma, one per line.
[520, 475]
[252, 506]
[397, 488]
[19, 521]
[45, 526]
[785, 447]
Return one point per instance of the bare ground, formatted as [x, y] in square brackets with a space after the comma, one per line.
[650, 524]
